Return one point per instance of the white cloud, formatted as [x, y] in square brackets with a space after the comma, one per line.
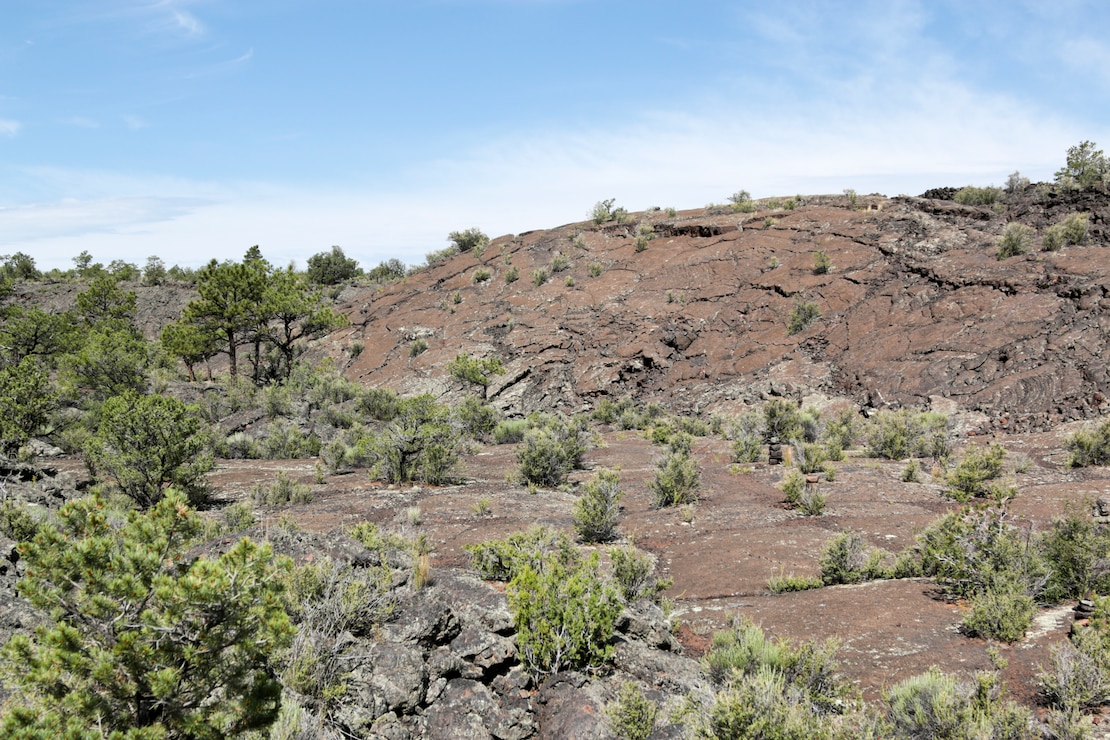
[83, 122]
[9, 127]
[134, 122]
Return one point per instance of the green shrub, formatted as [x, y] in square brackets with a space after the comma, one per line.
[284, 441]
[848, 559]
[17, 523]
[149, 640]
[787, 583]
[509, 431]
[783, 421]
[282, 491]
[328, 268]
[501, 560]
[676, 480]
[419, 444]
[802, 315]
[936, 705]
[598, 508]
[564, 615]
[744, 651]
[810, 457]
[468, 240]
[512, 275]
[559, 262]
[634, 574]
[793, 485]
[746, 433]
[1089, 447]
[1072, 229]
[549, 452]
[977, 466]
[821, 263]
[476, 419]
[644, 234]
[1003, 612]
[631, 715]
[896, 435]
[1077, 553]
[146, 443]
[1078, 677]
[1086, 165]
[969, 550]
[481, 275]
[1015, 240]
[603, 211]
[381, 404]
[812, 502]
[540, 276]
[912, 472]
[973, 196]
[594, 269]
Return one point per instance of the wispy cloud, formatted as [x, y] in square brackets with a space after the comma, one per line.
[9, 127]
[173, 17]
[134, 122]
[83, 122]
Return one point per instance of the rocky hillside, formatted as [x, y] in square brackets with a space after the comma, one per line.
[914, 305]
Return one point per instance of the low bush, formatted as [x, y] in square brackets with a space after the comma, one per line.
[812, 502]
[509, 431]
[793, 485]
[676, 480]
[802, 315]
[1015, 240]
[634, 574]
[564, 614]
[468, 240]
[631, 714]
[976, 468]
[550, 451]
[937, 705]
[821, 263]
[782, 421]
[1003, 612]
[810, 457]
[848, 559]
[476, 419]
[783, 583]
[974, 196]
[1073, 229]
[598, 508]
[283, 491]
[746, 433]
[897, 435]
[1078, 554]
[1089, 447]
[501, 560]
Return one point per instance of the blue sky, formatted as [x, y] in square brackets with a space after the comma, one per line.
[192, 129]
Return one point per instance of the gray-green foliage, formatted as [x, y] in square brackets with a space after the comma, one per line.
[631, 714]
[746, 433]
[976, 196]
[634, 574]
[146, 443]
[676, 481]
[282, 491]
[937, 706]
[972, 475]
[1004, 611]
[598, 508]
[420, 443]
[551, 449]
[896, 435]
[501, 560]
[802, 315]
[1072, 229]
[849, 559]
[1089, 446]
[1015, 240]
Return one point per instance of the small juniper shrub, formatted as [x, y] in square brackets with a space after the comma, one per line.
[802, 315]
[897, 435]
[821, 263]
[631, 714]
[970, 478]
[793, 486]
